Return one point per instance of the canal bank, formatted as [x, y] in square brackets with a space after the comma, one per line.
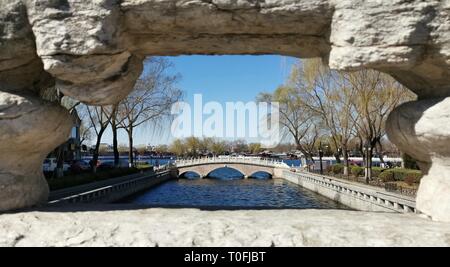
[111, 190]
[354, 195]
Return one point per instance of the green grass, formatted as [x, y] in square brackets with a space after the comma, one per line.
[144, 166]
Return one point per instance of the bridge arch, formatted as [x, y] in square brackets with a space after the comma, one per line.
[247, 169]
[239, 173]
[261, 175]
[185, 174]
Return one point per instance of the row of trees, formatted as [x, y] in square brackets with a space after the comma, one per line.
[148, 104]
[193, 147]
[318, 102]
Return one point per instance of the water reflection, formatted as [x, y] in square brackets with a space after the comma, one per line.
[261, 175]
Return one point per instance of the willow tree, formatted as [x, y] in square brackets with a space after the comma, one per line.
[151, 100]
[218, 147]
[326, 94]
[296, 119]
[255, 148]
[348, 104]
[178, 147]
[376, 95]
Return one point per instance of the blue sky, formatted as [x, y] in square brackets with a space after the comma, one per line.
[221, 79]
[230, 78]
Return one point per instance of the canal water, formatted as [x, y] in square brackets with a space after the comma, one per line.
[225, 189]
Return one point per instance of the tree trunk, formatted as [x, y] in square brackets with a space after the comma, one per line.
[115, 144]
[337, 154]
[96, 150]
[113, 120]
[346, 161]
[307, 155]
[59, 170]
[95, 157]
[381, 158]
[130, 151]
[368, 171]
[380, 152]
[363, 153]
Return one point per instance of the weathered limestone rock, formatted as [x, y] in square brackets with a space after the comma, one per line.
[29, 127]
[79, 43]
[408, 39]
[92, 51]
[20, 68]
[25, 124]
[421, 129]
[287, 27]
[131, 226]
[97, 79]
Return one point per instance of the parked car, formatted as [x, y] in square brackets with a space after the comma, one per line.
[79, 165]
[49, 165]
[105, 165]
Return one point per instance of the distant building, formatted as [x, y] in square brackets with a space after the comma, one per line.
[103, 149]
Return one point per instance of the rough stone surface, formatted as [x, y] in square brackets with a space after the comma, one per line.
[192, 227]
[20, 67]
[25, 124]
[79, 44]
[93, 51]
[421, 128]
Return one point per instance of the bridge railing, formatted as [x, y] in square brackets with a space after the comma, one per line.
[246, 160]
[114, 191]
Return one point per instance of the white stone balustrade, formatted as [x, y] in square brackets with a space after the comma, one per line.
[360, 197]
[245, 160]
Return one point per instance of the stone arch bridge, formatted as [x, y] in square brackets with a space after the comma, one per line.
[246, 166]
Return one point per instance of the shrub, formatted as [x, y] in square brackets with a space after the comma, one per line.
[337, 168]
[409, 179]
[410, 162]
[357, 171]
[376, 171]
[400, 174]
[386, 176]
[391, 186]
[407, 175]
